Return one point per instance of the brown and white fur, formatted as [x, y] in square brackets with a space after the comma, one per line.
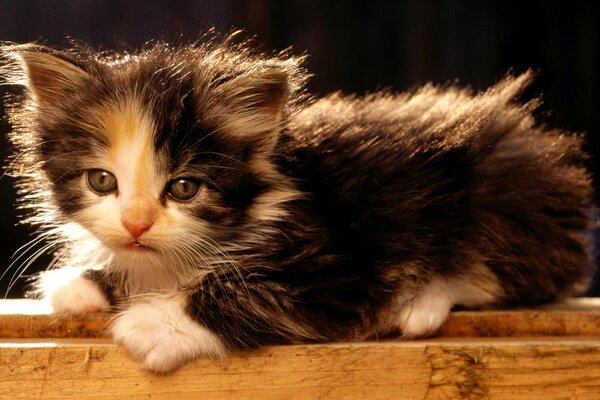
[341, 218]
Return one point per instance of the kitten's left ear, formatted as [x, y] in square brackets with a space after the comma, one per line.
[49, 74]
[254, 103]
[269, 91]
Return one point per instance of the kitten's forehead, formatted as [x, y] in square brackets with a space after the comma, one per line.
[126, 120]
[130, 129]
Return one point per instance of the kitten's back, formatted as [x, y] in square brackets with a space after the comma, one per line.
[452, 179]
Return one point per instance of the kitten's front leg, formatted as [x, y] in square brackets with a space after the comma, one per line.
[159, 332]
[71, 291]
[165, 331]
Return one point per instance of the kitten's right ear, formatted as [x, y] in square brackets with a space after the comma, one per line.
[48, 73]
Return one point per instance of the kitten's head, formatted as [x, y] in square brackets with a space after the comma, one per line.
[164, 156]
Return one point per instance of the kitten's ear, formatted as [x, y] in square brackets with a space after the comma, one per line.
[267, 92]
[49, 74]
[254, 102]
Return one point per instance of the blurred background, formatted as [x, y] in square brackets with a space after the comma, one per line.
[354, 46]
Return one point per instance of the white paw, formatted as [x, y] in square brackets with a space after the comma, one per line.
[427, 312]
[77, 296]
[158, 332]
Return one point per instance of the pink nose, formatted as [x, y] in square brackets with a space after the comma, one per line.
[136, 229]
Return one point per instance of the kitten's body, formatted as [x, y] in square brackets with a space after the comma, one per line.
[344, 218]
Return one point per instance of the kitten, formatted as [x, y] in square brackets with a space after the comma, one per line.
[203, 195]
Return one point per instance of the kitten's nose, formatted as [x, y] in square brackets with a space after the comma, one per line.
[136, 229]
[137, 215]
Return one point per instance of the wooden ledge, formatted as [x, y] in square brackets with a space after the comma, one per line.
[548, 353]
[29, 319]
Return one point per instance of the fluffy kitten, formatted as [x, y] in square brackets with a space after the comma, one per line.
[200, 193]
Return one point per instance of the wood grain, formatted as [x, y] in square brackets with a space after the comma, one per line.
[577, 317]
[429, 369]
[556, 355]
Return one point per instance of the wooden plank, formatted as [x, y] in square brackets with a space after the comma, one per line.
[577, 317]
[550, 353]
[424, 369]
[49, 326]
[573, 317]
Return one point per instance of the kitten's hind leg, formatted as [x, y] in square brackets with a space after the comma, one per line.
[425, 313]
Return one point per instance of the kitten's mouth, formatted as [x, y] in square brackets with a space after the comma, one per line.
[137, 246]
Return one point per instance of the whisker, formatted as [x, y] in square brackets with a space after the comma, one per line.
[27, 263]
[23, 250]
[225, 260]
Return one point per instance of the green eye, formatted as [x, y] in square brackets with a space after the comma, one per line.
[183, 189]
[102, 182]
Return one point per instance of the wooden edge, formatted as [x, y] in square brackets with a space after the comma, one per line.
[577, 317]
[517, 369]
[45, 356]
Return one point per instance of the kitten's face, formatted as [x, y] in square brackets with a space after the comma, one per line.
[142, 202]
[164, 157]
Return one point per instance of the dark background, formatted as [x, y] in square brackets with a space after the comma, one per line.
[355, 46]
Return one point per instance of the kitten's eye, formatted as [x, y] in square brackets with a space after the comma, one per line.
[102, 182]
[183, 189]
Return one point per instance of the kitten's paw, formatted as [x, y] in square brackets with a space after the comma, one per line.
[160, 334]
[427, 312]
[78, 296]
